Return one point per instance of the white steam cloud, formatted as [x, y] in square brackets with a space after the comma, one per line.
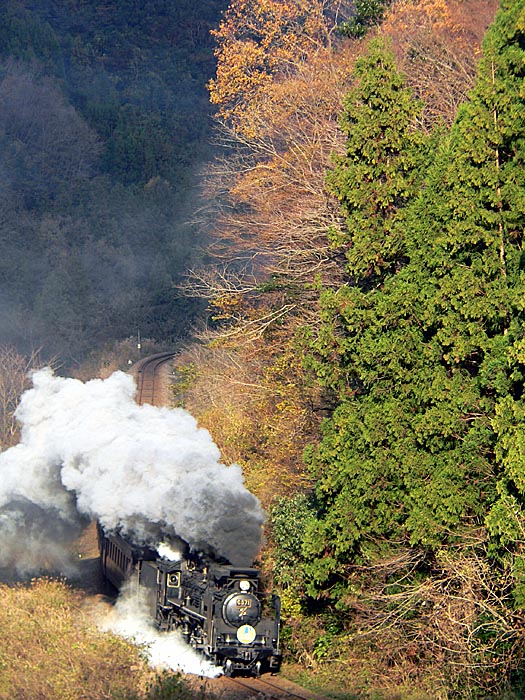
[88, 450]
[130, 619]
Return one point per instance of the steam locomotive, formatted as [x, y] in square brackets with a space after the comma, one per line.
[219, 608]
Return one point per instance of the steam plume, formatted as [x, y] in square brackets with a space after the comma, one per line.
[130, 619]
[87, 450]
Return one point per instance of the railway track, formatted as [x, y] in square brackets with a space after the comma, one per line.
[148, 377]
[265, 688]
[150, 390]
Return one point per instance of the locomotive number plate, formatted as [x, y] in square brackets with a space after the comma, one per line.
[244, 603]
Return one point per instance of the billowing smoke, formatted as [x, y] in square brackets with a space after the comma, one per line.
[88, 451]
[130, 618]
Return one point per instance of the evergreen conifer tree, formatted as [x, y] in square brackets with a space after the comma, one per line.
[427, 443]
[379, 171]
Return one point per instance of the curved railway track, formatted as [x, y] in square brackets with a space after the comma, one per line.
[266, 688]
[148, 377]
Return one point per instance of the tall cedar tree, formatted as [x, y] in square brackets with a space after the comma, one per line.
[427, 441]
[356, 353]
[378, 173]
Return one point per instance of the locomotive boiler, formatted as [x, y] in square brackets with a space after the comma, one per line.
[219, 609]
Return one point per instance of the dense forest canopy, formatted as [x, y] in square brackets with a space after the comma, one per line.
[104, 124]
[362, 351]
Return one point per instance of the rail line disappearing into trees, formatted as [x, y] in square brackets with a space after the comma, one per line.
[146, 372]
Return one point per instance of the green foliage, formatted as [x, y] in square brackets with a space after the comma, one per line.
[367, 13]
[104, 117]
[380, 170]
[185, 376]
[143, 147]
[136, 72]
[27, 38]
[326, 644]
[424, 357]
[288, 519]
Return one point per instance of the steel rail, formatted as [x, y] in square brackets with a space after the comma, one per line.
[273, 690]
[146, 373]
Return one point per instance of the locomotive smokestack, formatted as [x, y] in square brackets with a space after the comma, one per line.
[87, 450]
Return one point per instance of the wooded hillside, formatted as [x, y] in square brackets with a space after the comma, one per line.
[104, 125]
[358, 346]
[363, 358]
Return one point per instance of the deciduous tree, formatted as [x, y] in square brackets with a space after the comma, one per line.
[437, 45]
[14, 380]
[259, 39]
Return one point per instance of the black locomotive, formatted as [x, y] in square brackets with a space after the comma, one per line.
[219, 608]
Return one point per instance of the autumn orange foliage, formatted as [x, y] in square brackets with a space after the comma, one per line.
[259, 40]
[437, 46]
[280, 119]
[282, 74]
[258, 409]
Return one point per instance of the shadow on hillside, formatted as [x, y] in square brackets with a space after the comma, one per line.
[80, 571]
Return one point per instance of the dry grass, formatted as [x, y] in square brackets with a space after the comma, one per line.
[49, 650]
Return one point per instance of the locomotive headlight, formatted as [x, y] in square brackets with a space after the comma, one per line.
[244, 586]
